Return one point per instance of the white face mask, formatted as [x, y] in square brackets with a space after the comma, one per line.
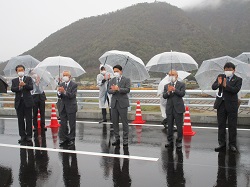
[116, 74]
[65, 78]
[103, 72]
[172, 78]
[20, 73]
[228, 73]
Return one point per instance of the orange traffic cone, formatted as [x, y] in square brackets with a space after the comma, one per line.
[187, 145]
[54, 121]
[138, 132]
[138, 116]
[54, 132]
[187, 128]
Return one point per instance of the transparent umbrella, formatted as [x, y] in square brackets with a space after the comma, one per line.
[210, 69]
[56, 65]
[27, 61]
[166, 61]
[42, 80]
[243, 70]
[244, 57]
[108, 68]
[133, 67]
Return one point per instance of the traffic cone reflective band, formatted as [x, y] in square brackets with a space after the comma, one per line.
[187, 145]
[138, 115]
[54, 121]
[54, 132]
[38, 120]
[187, 128]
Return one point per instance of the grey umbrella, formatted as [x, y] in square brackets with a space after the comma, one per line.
[27, 61]
[244, 57]
[133, 67]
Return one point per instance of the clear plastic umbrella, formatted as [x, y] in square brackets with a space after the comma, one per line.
[56, 65]
[181, 76]
[133, 67]
[42, 80]
[210, 69]
[27, 61]
[244, 57]
[108, 68]
[243, 70]
[166, 61]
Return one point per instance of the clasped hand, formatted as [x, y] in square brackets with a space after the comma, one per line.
[21, 84]
[115, 87]
[171, 88]
[61, 89]
[224, 84]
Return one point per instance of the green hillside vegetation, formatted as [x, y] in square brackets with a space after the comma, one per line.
[144, 29]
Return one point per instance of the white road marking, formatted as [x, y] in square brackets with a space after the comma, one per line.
[146, 125]
[82, 152]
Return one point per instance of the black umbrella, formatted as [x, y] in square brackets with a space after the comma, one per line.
[3, 85]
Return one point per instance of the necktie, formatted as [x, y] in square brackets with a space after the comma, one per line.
[66, 86]
[228, 80]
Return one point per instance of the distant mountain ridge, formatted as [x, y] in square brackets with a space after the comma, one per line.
[144, 29]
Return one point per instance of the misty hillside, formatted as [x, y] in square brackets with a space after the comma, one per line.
[143, 29]
[229, 23]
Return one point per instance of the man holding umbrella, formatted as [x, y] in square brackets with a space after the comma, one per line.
[229, 85]
[119, 87]
[174, 92]
[39, 98]
[22, 85]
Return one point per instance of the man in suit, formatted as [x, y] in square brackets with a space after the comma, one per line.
[229, 85]
[119, 87]
[22, 86]
[67, 92]
[39, 98]
[174, 92]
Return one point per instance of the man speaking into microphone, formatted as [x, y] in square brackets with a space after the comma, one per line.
[174, 92]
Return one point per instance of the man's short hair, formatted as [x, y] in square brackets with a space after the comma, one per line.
[67, 71]
[229, 65]
[20, 66]
[102, 68]
[118, 67]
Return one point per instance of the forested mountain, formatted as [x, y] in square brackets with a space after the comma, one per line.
[145, 30]
[228, 23]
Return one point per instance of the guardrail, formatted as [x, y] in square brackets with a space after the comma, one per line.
[147, 98]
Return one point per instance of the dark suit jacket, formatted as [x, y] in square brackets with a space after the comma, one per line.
[27, 97]
[120, 96]
[174, 100]
[68, 100]
[229, 92]
[39, 97]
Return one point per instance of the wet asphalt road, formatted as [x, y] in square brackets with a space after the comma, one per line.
[195, 165]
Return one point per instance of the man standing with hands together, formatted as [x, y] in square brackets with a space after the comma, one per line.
[67, 92]
[174, 92]
[119, 87]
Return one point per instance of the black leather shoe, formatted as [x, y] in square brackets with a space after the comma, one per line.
[178, 145]
[169, 145]
[35, 129]
[44, 129]
[21, 140]
[220, 148]
[63, 143]
[71, 143]
[233, 149]
[116, 143]
[103, 121]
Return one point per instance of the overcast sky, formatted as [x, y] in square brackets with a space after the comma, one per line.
[25, 23]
